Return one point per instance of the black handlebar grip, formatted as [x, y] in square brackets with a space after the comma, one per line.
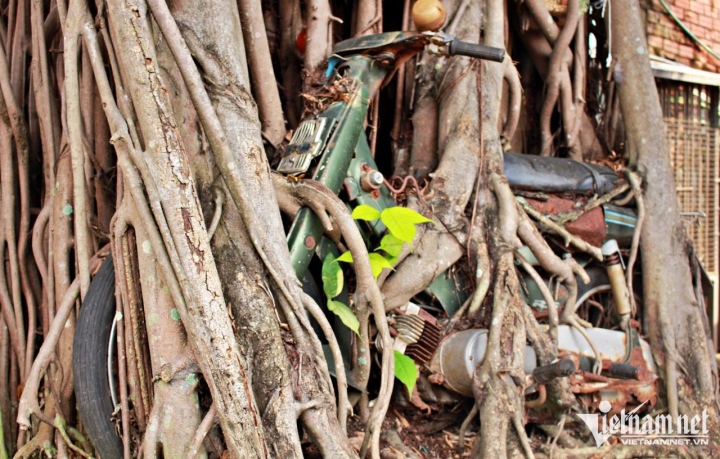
[547, 373]
[464, 48]
[626, 371]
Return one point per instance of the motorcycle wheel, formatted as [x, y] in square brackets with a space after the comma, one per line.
[90, 360]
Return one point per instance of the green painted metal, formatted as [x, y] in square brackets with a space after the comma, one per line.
[381, 199]
[451, 292]
[345, 155]
[620, 223]
[377, 42]
[340, 148]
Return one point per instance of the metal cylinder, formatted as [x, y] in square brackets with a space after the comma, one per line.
[458, 356]
[616, 276]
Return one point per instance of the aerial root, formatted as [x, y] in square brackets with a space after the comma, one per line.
[322, 201]
[300, 408]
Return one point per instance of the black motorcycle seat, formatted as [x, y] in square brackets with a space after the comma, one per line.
[557, 175]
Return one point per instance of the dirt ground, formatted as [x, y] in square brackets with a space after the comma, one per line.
[410, 433]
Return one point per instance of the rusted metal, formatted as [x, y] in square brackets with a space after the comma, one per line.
[589, 227]
[557, 8]
[409, 327]
[371, 180]
[423, 350]
[419, 330]
[404, 182]
[637, 385]
[421, 187]
[591, 389]
[310, 242]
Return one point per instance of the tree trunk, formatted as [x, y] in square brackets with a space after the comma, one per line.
[690, 372]
[205, 309]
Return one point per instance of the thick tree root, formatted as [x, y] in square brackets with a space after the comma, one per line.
[322, 200]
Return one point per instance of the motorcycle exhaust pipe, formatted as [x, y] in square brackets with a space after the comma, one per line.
[460, 353]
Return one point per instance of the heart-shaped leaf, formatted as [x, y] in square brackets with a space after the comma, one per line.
[401, 222]
[346, 257]
[378, 263]
[405, 371]
[332, 277]
[345, 314]
[365, 212]
[391, 245]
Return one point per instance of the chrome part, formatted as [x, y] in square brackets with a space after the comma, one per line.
[110, 354]
[616, 275]
[417, 334]
[409, 328]
[371, 180]
[307, 143]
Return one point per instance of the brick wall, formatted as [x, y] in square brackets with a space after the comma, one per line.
[666, 39]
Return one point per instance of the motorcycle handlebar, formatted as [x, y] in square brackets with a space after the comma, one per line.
[464, 48]
[559, 369]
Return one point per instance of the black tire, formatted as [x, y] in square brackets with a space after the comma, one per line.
[90, 352]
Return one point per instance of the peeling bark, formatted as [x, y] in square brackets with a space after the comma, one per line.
[206, 321]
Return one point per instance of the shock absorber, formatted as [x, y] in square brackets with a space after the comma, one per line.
[616, 276]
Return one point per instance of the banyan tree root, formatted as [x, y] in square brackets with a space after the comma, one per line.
[562, 89]
[235, 129]
[262, 75]
[514, 103]
[175, 374]
[556, 72]
[368, 298]
[494, 381]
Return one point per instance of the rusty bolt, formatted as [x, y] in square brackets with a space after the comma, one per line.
[310, 242]
[371, 180]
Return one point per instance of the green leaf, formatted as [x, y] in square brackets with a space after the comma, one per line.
[401, 222]
[345, 314]
[391, 245]
[346, 257]
[378, 263]
[332, 277]
[405, 214]
[405, 371]
[404, 231]
[365, 212]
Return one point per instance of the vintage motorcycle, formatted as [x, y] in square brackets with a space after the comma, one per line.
[331, 147]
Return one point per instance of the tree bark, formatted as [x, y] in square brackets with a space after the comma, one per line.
[206, 320]
[319, 36]
[690, 373]
[176, 415]
[233, 132]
